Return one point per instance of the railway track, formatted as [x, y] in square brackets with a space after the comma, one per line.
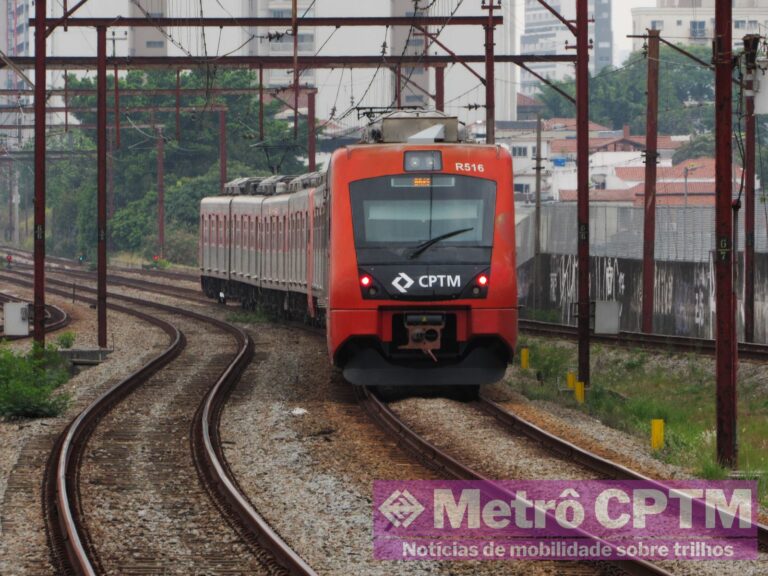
[747, 350]
[71, 542]
[450, 467]
[610, 470]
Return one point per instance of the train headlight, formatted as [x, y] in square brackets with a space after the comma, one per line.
[423, 161]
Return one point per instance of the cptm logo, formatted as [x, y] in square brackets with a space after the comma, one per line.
[401, 508]
[400, 279]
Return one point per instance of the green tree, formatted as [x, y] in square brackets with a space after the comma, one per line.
[191, 162]
[618, 95]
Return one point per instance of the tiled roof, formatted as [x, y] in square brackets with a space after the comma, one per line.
[698, 169]
[627, 195]
[553, 124]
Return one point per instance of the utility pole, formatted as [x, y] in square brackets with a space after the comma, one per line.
[651, 159]
[490, 77]
[582, 162]
[16, 201]
[311, 131]
[8, 180]
[295, 28]
[222, 148]
[751, 45]
[537, 216]
[161, 192]
[726, 354]
[41, 11]
[110, 175]
[101, 188]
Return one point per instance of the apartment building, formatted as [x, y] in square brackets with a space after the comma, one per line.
[410, 42]
[276, 42]
[148, 41]
[692, 22]
[546, 35]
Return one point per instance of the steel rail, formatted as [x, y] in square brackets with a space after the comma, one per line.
[135, 283]
[211, 465]
[577, 454]
[67, 539]
[445, 464]
[653, 341]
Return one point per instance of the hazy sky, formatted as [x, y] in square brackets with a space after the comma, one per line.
[622, 23]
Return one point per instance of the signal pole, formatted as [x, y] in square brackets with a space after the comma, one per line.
[726, 353]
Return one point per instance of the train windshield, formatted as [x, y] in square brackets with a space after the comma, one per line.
[432, 217]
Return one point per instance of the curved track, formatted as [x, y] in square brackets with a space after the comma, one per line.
[448, 466]
[69, 540]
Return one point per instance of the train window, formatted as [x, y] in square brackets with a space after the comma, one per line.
[391, 216]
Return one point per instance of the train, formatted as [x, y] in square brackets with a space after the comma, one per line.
[403, 250]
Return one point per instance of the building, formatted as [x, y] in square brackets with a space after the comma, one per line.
[693, 21]
[16, 39]
[414, 82]
[462, 40]
[546, 35]
[690, 183]
[148, 41]
[270, 42]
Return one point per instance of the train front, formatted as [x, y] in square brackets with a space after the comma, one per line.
[422, 264]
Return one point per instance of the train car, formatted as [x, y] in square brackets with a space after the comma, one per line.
[404, 250]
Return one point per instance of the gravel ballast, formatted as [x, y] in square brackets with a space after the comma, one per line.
[26, 444]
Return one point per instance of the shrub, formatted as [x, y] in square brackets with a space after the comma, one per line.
[65, 340]
[28, 383]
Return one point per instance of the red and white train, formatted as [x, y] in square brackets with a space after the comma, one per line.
[404, 249]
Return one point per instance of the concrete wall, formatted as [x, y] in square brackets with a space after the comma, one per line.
[684, 301]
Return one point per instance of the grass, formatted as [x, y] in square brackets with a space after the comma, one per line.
[247, 317]
[629, 388]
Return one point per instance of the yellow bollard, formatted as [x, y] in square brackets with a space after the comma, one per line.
[657, 434]
[570, 380]
[525, 358]
[579, 392]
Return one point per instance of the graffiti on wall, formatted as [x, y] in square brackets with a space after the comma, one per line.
[684, 294]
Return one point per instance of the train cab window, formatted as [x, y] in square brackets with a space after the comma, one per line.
[392, 215]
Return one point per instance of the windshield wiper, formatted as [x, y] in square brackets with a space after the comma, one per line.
[424, 246]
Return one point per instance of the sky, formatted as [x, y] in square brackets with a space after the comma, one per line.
[622, 26]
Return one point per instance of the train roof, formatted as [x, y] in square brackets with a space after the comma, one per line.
[414, 127]
[242, 186]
